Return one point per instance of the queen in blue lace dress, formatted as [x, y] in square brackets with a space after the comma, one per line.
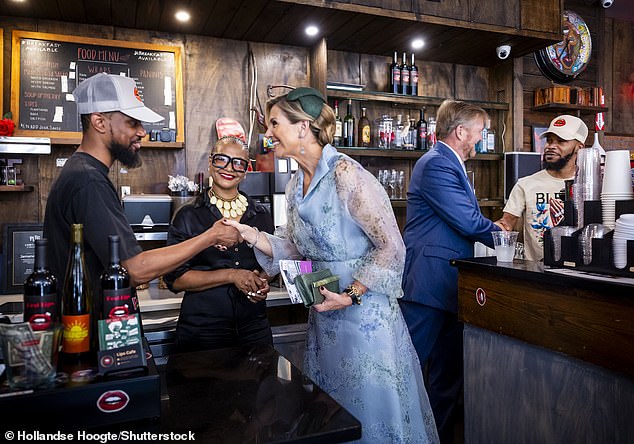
[340, 218]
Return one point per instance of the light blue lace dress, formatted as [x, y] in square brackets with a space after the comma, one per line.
[361, 355]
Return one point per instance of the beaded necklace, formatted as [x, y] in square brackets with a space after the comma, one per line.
[229, 208]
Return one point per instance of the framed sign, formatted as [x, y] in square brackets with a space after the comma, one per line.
[539, 142]
[46, 68]
[18, 254]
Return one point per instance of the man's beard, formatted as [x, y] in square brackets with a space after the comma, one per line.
[557, 165]
[128, 157]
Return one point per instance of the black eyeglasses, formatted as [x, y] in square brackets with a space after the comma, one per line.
[222, 161]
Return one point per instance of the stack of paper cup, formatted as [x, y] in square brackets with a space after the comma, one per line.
[617, 184]
[623, 231]
[587, 185]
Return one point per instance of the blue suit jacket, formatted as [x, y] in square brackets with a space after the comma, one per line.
[443, 223]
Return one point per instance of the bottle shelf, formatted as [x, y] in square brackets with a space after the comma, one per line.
[582, 109]
[16, 188]
[380, 152]
[400, 99]
[405, 154]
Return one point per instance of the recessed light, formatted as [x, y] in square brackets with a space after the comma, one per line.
[182, 16]
[418, 43]
[312, 30]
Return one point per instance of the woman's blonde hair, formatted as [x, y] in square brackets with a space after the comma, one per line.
[323, 127]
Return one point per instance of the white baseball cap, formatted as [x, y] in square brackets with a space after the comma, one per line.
[103, 93]
[568, 128]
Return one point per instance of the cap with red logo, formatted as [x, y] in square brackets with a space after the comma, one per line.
[107, 92]
[567, 128]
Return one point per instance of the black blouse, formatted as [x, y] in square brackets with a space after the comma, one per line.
[192, 220]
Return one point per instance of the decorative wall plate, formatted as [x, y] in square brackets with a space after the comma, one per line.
[564, 61]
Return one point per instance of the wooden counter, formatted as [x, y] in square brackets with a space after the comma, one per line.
[549, 357]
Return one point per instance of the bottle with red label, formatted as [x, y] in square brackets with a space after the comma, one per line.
[77, 300]
[117, 299]
[40, 292]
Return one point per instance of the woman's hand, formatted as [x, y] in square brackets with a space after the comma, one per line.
[332, 301]
[252, 284]
[247, 232]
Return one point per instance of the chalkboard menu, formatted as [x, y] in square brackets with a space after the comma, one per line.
[46, 68]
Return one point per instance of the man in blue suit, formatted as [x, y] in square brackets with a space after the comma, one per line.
[443, 223]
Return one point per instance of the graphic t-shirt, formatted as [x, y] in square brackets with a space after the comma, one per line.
[540, 199]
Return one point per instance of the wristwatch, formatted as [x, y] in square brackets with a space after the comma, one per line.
[354, 293]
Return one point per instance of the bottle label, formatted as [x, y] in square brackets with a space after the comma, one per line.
[365, 134]
[396, 76]
[413, 78]
[40, 311]
[404, 76]
[117, 303]
[76, 333]
[491, 142]
[338, 129]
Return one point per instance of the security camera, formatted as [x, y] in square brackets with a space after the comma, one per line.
[606, 3]
[504, 51]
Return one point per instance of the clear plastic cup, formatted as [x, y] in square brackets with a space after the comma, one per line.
[504, 242]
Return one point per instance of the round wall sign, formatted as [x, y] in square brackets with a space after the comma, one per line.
[564, 61]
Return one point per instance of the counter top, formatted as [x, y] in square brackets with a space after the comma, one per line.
[250, 395]
[574, 314]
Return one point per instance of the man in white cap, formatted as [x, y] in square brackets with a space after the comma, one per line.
[111, 113]
[539, 197]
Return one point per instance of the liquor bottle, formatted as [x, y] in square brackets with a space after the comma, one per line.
[490, 140]
[395, 75]
[338, 126]
[413, 78]
[116, 294]
[404, 76]
[348, 126]
[41, 307]
[399, 130]
[431, 132]
[421, 132]
[77, 300]
[412, 134]
[365, 130]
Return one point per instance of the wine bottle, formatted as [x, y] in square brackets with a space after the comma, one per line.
[413, 78]
[77, 300]
[404, 76]
[421, 131]
[348, 126]
[116, 294]
[40, 292]
[395, 75]
[365, 130]
[338, 126]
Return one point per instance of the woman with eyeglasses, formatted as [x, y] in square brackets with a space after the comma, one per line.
[225, 289]
[358, 347]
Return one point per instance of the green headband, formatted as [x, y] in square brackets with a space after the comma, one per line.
[310, 100]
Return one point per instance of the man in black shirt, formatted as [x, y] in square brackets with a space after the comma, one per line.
[112, 113]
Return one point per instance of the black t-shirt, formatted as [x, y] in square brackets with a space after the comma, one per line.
[199, 307]
[83, 194]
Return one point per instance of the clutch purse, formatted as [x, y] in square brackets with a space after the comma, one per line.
[308, 285]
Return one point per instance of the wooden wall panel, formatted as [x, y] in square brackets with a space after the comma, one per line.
[491, 13]
[621, 117]
[472, 83]
[456, 9]
[541, 15]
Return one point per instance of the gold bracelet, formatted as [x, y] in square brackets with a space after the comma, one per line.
[257, 237]
[355, 293]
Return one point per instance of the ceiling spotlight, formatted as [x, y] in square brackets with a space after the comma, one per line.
[182, 16]
[418, 43]
[312, 30]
